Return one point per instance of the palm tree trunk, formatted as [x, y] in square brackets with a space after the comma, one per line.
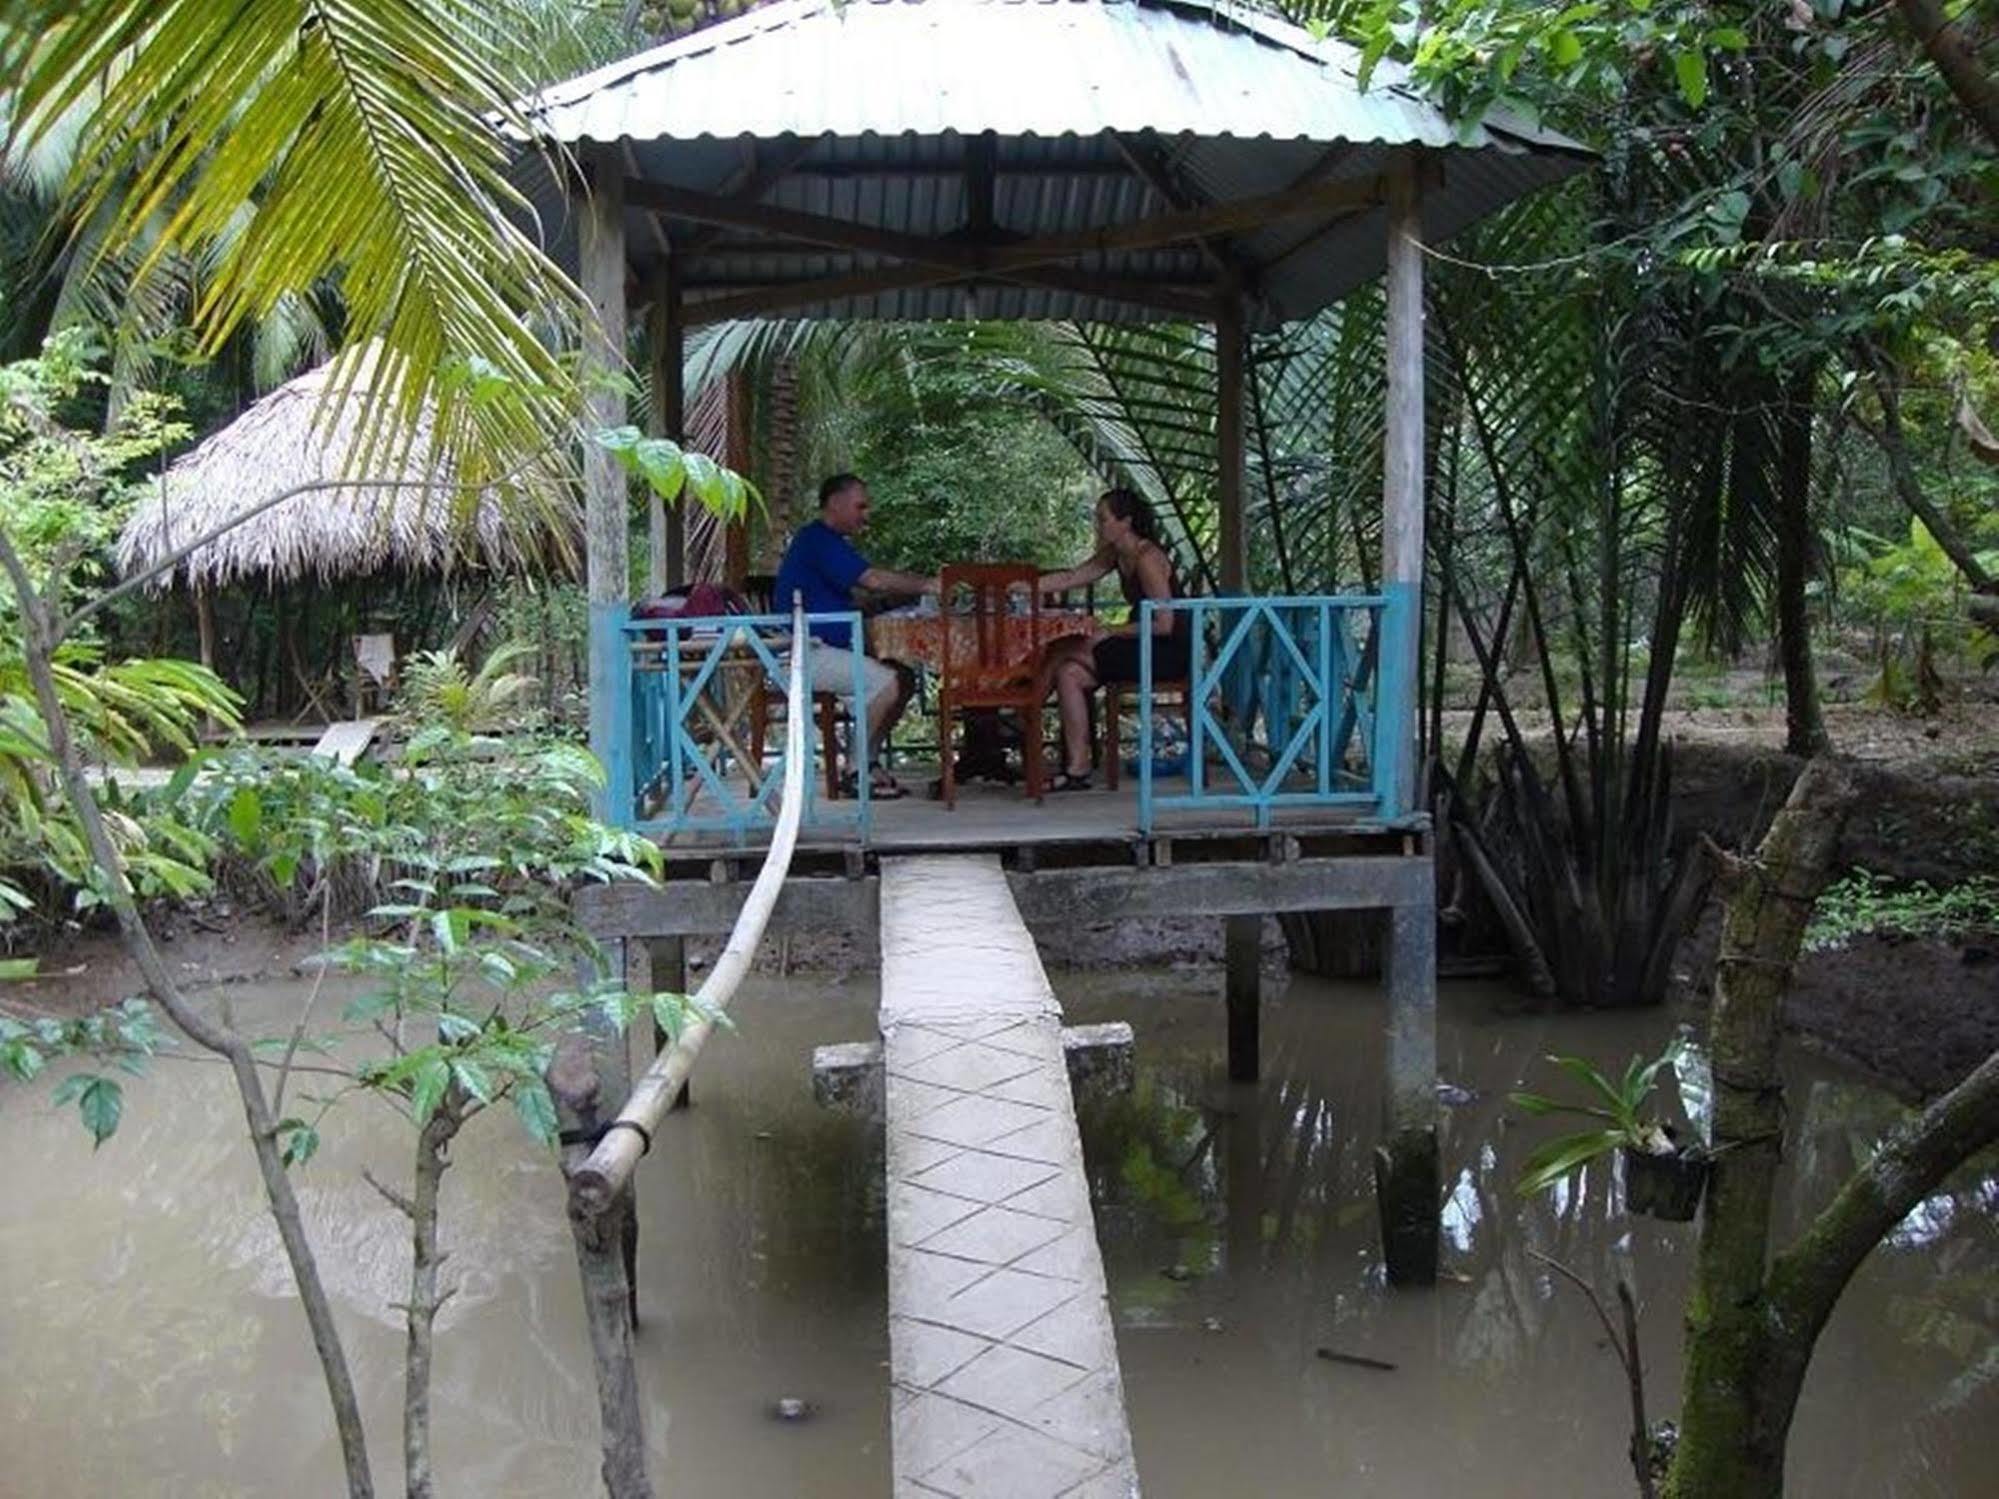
[1804, 720]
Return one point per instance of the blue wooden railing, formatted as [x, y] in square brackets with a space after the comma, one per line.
[691, 765]
[1297, 701]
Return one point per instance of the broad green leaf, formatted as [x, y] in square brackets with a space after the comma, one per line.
[427, 1087]
[536, 1109]
[1690, 70]
[301, 1141]
[456, 1028]
[14, 969]
[473, 1079]
[1540, 1104]
[1564, 1154]
[246, 816]
[102, 1104]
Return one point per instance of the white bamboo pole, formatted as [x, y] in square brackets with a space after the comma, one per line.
[596, 1183]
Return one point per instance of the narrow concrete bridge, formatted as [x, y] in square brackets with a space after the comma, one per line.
[1004, 1363]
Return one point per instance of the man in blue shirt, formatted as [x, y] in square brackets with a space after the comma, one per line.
[823, 566]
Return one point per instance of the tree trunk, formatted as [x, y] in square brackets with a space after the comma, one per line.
[590, 1078]
[204, 626]
[1804, 721]
[1730, 1445]
[1953, 50]
[420, 1315]
[781, 462]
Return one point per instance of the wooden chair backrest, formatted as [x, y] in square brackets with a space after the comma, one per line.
[999, 657]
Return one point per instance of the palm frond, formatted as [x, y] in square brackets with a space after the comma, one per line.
[297, 141]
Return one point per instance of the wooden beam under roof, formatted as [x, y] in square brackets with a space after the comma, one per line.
[761, 171]
[839, 171]
[1139, 234]
[1148, 159]
[1193, 303]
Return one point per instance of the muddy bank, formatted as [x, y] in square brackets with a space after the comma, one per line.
[1918, 1013]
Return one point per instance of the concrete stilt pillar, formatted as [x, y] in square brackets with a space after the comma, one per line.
[1242, 947]
[1407, 1181]
[665, 960]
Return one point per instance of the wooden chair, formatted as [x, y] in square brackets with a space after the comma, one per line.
[828, 707]
[1003, 667]
[1114, 696]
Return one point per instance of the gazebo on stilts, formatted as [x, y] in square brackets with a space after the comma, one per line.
[1095, 160]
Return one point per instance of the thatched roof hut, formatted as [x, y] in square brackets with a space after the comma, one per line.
[405, 516]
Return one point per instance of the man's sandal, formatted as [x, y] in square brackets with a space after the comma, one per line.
[1065, 781]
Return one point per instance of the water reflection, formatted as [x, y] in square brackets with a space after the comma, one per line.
[1503, 1382]
[143, 1290]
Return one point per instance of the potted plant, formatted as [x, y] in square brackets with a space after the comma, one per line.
[1661, 1177]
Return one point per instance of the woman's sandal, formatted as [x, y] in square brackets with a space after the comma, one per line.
[1065, 781]
[882, 787]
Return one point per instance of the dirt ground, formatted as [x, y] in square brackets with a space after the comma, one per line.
[1918, 1013]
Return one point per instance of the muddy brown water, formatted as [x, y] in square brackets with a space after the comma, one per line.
[153, 1346]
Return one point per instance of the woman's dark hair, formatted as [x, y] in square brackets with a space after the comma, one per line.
[1126, 504]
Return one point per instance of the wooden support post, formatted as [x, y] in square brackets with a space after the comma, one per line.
[666, 333]
[590, 1083]
[204, 627]
[1241, 1152]
[736, 539]
[1402, 488]
[1242, 945]
[1407, 1182]
[601, 258]
[666, 973]
[1232, 562]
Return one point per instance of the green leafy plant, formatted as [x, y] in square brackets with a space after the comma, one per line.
[1914, 596]
[123, 1036]
[438, 692]
[1864, 902]
[1619, 1108]
[472, 846]
[63, 492]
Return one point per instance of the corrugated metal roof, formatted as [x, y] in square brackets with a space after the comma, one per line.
[1240, 104]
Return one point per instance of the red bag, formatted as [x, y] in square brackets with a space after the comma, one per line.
[697, 601]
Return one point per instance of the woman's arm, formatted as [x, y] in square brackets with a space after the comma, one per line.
[1100, 563]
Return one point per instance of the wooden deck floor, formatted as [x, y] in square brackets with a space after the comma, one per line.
[990, 816]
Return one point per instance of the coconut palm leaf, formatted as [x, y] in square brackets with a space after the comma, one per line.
[290, 142]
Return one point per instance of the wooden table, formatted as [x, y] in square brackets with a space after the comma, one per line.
[918, 639]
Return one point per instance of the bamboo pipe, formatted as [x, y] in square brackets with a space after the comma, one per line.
[595, 1184]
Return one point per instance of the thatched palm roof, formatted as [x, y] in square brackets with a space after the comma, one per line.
[407, 516]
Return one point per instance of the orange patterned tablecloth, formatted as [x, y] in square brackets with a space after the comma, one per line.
[918, 639]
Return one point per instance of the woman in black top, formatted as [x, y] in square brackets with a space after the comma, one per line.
[1127, 543]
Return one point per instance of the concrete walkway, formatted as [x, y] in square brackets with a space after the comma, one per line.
[1005, 1366]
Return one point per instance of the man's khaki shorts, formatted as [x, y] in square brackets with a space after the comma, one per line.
[830, 669]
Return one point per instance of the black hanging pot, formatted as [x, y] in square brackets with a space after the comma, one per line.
[1664, 1183]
